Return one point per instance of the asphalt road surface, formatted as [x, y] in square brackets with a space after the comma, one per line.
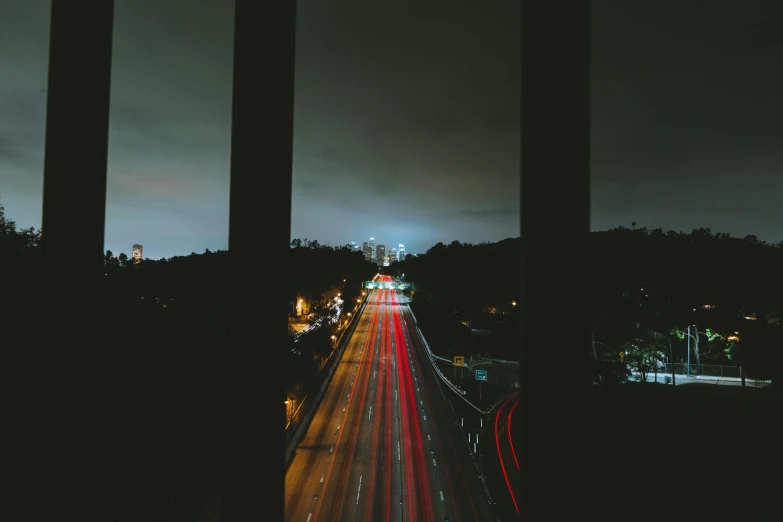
[501, 464]
[383, 444]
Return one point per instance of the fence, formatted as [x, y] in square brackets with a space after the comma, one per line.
[705, 370]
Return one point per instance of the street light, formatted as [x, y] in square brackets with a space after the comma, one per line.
[695, 340]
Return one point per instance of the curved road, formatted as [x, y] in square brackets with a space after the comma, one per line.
[383, 444]
[501, 458]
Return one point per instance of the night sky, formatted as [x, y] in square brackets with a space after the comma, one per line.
[407, 120]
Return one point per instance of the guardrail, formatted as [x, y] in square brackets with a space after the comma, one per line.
[431, 356]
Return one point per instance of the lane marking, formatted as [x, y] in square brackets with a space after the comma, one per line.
[331, 449]
[360, 490]
[322, 478]
[309, 517]
[399, 457]
[370, 415]
[441, 495]
[428, 437]
[425, 418]
[434, 463]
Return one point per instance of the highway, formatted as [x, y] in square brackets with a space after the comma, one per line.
[383, 444]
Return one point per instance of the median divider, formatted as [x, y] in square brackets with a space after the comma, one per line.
[332, 366]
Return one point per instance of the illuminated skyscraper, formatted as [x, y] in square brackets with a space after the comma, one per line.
[136, 253]
[372, 249]
[380, 253]
[367, 251]
[392, 255]
[400, 252]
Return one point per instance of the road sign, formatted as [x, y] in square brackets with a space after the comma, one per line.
[481, 375]
[459, 360]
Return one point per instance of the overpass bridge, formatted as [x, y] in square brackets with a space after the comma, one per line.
[387, 285]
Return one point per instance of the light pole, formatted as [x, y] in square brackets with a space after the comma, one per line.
[696, 342]
[655, 359]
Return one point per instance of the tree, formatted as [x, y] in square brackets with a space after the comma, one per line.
[712, 337]
[641, 358]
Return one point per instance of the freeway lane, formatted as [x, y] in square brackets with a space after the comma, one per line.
[322, 444]
[383, 444]
[456, 474]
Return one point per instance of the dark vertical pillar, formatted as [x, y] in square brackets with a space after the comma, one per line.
[555, 217]
[259, 237]
[74, 209]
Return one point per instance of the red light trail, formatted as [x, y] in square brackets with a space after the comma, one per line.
[500, 456]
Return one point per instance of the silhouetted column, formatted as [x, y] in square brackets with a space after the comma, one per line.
[74, 209]
[555, 217]
[259, 238]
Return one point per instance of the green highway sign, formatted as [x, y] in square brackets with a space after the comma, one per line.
[387, 285]
[481, 375]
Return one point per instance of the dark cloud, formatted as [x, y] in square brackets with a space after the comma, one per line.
[407, 119]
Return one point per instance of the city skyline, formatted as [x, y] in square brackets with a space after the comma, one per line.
[426, 147]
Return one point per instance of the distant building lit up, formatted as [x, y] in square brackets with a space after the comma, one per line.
[137, 253]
